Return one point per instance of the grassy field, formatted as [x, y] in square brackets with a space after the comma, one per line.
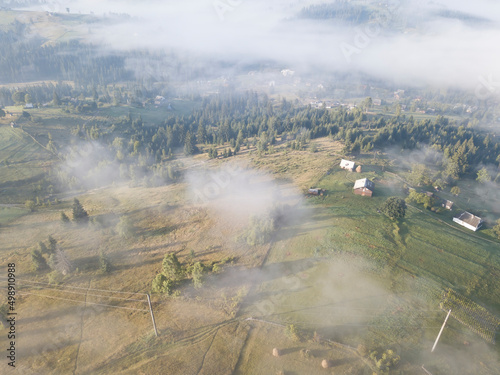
[23, 164]
[336, 267]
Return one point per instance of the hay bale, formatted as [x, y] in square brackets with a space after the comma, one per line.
[325, 363]
[276, 352]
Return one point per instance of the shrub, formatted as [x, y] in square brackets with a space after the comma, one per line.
[38, 262]
[104, 263]
[196, 274]
[162, 284]
[171, 267]
[394, 208]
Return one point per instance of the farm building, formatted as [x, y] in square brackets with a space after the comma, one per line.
[447, 204]
[468, 220]
[364, 187]
[347, 165]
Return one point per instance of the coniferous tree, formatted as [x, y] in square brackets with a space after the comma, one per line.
[52, 245]
[79, 213]
[38, 262]
[189, 144]
[171, 267]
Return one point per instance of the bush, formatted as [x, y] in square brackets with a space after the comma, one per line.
[171, 267]
[496, 229]
[38, 262]
[162, 284]
[196, 274]
[104, 263]
[394, 208]
[292, 332]
[259, 231]
[124, 228]
[30, 205]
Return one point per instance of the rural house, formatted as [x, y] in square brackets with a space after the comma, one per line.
[468, 220]
[447, 204]
[364, 187]
[347, 165]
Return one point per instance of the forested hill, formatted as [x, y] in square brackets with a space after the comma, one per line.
[341, 11]
[32, 60]
[242, 121]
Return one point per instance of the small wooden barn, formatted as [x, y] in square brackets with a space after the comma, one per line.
[347, 165]
[364, 187]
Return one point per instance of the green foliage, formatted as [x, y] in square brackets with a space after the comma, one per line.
[394, 208]
[162, 284]
[64, 218]
[190, 144]
[419, 175]
[292, 332]
[38, 262]
[125, 228]
[55, 277]
[231, 305]
[79, 213]
[483, 176]
[171, 267]
[496, 229]
[42, 248]
[104, 263]
[385, 361]
[455, 190]
[52, 245]
[30, 205]
[197, 274]
[259, 230]
[420, 198]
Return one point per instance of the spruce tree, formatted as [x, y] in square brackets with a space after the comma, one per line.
[79, 214]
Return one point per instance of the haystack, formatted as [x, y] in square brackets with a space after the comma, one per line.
[326, 363]
[358, 169]
[276, 352]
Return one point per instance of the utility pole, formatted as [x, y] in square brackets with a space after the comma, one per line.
[152, 315]
[441, 331]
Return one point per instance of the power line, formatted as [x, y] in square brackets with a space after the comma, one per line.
[76, 287]
[72, 300]
[88, 294]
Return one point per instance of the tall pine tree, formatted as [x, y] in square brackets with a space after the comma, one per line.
[79, 214]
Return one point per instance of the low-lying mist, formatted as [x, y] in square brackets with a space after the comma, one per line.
[414, 42]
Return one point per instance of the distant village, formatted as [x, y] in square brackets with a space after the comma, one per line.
[366, 188]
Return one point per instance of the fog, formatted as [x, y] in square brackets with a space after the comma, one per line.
[446, 43]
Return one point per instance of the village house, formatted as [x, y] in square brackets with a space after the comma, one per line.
[447, 204]
[364, 187]
[468, 220]
[347, 165]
